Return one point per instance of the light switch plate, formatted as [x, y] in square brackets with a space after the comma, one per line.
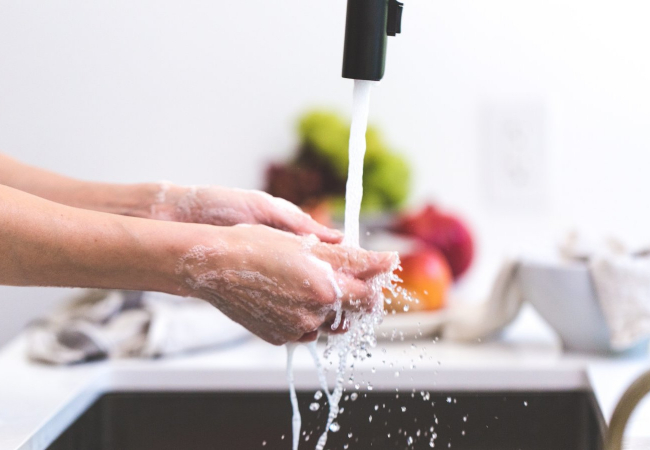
[513, 153]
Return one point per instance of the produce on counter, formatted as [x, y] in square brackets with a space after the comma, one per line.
[440, 231]
[315, 178]
[319, 170]
[426, 278]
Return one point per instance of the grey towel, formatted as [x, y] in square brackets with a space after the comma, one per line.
[112, 324]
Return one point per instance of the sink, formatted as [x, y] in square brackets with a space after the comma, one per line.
[262, 420]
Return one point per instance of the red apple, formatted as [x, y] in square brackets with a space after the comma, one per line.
[443, 232]
[426, 277]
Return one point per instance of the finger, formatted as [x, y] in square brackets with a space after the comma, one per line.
[356, 262]
[356, 294]
[303, 224]
[289, 217]
[309, 337]
[377, 263]
[306, 225]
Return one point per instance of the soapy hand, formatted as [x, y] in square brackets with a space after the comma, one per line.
[215, 205]
[280, 286]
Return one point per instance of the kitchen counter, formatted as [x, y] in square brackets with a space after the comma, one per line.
[38, 402]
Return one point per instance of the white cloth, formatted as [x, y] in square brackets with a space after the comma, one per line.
[112, 324]
[470, 322]
[621, 279]
[623, 287]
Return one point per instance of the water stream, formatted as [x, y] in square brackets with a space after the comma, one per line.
[360, 337]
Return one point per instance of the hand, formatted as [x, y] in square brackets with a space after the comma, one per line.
[280, 286]
[215, 205]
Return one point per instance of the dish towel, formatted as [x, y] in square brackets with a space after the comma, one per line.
[621, 279]
[115, 324]
[469, 322]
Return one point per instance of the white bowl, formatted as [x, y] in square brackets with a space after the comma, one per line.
[564, 295]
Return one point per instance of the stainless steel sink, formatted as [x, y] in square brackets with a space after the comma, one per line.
[245, 420]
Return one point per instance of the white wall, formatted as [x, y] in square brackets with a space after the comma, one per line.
[207, 92]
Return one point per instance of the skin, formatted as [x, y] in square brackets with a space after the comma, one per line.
[271, 275]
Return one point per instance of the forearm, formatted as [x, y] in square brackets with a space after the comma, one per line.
[43, 243]
[125, 199]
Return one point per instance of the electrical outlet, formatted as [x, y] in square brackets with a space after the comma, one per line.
[513, 154]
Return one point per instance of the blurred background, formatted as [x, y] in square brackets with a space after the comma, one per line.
[526, 119]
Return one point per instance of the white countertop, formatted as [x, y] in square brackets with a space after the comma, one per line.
[38, 402]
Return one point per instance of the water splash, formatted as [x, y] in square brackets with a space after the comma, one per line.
[360, 338]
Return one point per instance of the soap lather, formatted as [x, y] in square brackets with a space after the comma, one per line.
[368, 25]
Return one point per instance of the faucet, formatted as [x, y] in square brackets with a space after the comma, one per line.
[624, 409]
[368, 24]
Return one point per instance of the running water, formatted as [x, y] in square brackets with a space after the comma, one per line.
[357, 151]
[296, 421]
[360, 337]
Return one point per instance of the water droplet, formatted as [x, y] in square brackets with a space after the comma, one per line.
[409, 441]
[396, 373]
[263, 443]
[525, 403]
[354, 396]
[406, 308]
[403, 408]
[464, 418]
[334, 427]
[369, 418]
[448, 399]
[314, 406]
[318, 395]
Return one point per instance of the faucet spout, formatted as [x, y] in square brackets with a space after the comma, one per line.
[368, 25]
[624, 409]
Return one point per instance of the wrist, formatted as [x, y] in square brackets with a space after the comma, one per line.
[200, 250]
[158, 249]
[133, 200]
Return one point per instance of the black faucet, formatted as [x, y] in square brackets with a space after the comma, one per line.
[367, 27]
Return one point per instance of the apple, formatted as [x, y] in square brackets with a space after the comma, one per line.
[441, 231]
[426, 278]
